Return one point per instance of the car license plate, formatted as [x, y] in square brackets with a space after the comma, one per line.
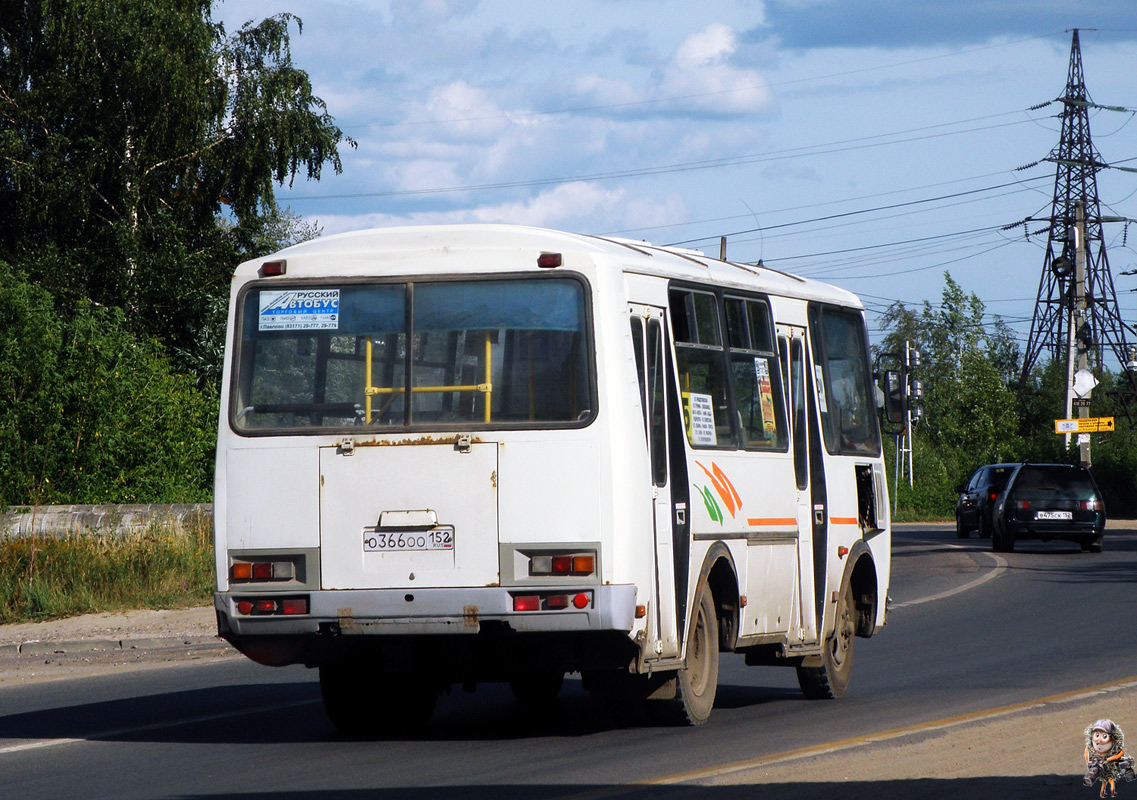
[1054, 515]
[376, 540]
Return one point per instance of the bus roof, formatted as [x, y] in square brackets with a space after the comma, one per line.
[355, 253]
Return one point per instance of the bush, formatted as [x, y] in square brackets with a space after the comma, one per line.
[91, 414]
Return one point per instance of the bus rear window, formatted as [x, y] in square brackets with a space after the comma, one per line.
[474, 353]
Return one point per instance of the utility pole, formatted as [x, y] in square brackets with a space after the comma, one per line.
[1079, 381]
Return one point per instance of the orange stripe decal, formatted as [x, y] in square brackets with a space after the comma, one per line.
[764, 521]
[843, 520]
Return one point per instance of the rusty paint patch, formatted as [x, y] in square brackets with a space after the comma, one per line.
[470, 616]
[346, 619]
[493, 479]
[422, 440]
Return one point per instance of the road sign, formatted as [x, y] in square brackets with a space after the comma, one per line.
[1081, 402]
[1084, 425]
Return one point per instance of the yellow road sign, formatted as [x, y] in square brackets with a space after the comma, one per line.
[1084, 425]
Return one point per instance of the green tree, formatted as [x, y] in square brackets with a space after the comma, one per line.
[139, 149]
[972, 415]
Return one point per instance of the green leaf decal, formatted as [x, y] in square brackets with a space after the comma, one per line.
[712, 505]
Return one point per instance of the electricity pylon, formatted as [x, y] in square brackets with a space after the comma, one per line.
[1100, 327]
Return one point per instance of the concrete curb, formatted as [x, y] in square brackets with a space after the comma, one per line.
[37, 647]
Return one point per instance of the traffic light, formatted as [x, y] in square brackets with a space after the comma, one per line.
[916, 399]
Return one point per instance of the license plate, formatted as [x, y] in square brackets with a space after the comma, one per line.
[401, 541]
[1054, 515]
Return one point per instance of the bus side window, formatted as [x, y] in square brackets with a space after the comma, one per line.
[700, 359]
[754, 375]
[798, 405]
[840, 352]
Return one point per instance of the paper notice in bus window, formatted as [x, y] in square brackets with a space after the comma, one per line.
[699, 409]
[819, 374]
[766, 396]
[299, 310]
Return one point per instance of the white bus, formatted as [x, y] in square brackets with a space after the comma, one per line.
[458, 454]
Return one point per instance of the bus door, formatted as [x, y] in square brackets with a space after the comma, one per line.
[652, 366]
[809, 478]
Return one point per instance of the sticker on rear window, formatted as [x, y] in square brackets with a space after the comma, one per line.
[299, 309]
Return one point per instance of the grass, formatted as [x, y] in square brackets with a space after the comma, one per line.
[162, 566]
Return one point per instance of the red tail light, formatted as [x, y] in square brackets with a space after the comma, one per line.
[262, 571]
[1090, 505]
[527, 602]
[1023, 504]
[270, 606]
[296, 605]
[579, 564]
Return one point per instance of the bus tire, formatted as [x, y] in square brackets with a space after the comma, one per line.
[537, 689]
[831, 679]
[698, 680]
[362, 701]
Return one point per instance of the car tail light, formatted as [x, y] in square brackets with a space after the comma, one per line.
[1023, 504]
[527, 602]
[1090, 505]
[994, 496]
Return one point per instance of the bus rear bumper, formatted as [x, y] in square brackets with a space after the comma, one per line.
[433, 611]
[342, 621]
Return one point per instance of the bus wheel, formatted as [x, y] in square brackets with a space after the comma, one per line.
[832, 678]
[698, 681]
[361, 701]
[538, 688]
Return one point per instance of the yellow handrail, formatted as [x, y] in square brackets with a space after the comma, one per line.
[485, 388]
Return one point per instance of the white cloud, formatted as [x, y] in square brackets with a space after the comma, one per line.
[703, 72]
[579, 206]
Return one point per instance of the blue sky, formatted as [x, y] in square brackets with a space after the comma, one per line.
[874, 145]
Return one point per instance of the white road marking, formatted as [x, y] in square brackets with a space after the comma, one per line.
[1000, 568]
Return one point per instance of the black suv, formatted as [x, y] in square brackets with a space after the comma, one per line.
[1049, 501]
[977, 499]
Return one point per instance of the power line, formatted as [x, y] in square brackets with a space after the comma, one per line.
[907, 204]
[839, 146]
[661, 100]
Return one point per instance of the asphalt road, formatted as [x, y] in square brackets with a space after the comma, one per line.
[968, 631]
